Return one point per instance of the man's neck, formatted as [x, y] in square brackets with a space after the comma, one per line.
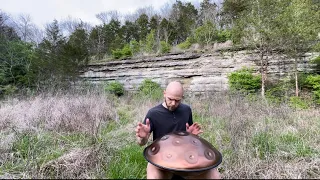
[164, 105]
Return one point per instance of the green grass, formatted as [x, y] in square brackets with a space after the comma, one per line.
[296, 146]
[264, 144]
[128, 163]
[31, 151]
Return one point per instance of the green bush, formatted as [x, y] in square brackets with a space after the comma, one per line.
[186, 44]
[134, 46]
[150, 42]
[126, 51]
[313, 82]
[224, 35]
[115, 88]
[316, 62]
[243, 80]
[280, 91]
[164, 47]
[150, 89]
[117, 54]
[297, 102]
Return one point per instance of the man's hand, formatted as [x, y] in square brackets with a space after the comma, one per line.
[194, 128]
[143, 130]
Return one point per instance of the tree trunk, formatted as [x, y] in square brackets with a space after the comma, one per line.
[262, 75]
[296, 76]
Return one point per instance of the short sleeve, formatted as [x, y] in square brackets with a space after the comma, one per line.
[149, 115]
[190, 121]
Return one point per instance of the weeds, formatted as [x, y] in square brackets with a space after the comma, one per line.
[91, 135]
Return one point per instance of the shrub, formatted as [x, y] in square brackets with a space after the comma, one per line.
[313, 82]
[150, 42]
[134, 46]
[243, 80]
[297, 102]
[280, 91]
[126, 51]
[164, 47]
[115, 88]
[223, 35]
[117, 54]
[186, 44]
[150, 89]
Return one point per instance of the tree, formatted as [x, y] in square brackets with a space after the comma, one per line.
[143, 26]
[15, 59]
[50, 65]
[69, 25]
[76, 52]
[206, 33]
[183, 17]
[6, 31]
[150, 42]
[261, 30]
[208, 12]
[300, 24]
[130, 31]
[106, 17]
[232, 13]
[166, 31]
[96, 42]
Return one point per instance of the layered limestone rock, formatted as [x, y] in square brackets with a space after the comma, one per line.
[199, 73]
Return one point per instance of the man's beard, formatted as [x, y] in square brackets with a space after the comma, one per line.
[170, 108]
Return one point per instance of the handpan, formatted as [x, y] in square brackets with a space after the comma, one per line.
[182, 153]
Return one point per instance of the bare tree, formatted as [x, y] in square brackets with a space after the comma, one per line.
[69, 25]
[165, 10]
[148, 10]
[26, 29]
[132, 17]
[106, 17]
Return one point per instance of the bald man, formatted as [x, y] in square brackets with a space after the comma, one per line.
[170, 116]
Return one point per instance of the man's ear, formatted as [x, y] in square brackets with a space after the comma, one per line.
[164, 93]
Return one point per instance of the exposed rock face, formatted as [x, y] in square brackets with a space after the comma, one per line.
[198, 72]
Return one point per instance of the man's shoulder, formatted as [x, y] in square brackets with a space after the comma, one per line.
[155, 108]
[185, 106]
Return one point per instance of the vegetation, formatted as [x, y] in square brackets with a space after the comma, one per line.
[150, 89]
[115, 88]
[34, 64]
[51, 130]
[90, 134]
[243, 80]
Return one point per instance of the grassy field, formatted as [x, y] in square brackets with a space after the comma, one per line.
[91, 135]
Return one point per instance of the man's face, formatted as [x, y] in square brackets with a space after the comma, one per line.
[172, 102]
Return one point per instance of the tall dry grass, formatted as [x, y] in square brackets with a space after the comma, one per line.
[257, 139]
[261, 140]
[59, 112]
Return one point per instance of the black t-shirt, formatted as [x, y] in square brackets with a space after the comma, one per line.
[162, 121]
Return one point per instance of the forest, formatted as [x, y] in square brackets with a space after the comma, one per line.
[50, 129]
[33, 60]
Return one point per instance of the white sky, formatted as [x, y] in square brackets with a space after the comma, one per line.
[45, 11]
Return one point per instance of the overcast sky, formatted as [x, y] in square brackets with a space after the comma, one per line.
[45, 11]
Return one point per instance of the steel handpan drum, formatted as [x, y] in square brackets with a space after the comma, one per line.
[182, 153]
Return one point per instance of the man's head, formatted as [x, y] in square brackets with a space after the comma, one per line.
[173, 95]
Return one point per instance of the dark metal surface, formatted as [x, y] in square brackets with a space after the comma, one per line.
[183, 154]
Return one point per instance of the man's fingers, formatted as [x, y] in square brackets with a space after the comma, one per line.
[148, 122]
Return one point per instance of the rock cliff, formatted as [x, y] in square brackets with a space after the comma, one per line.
[198, 72]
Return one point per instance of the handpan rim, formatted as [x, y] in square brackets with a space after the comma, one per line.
[217, 154]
